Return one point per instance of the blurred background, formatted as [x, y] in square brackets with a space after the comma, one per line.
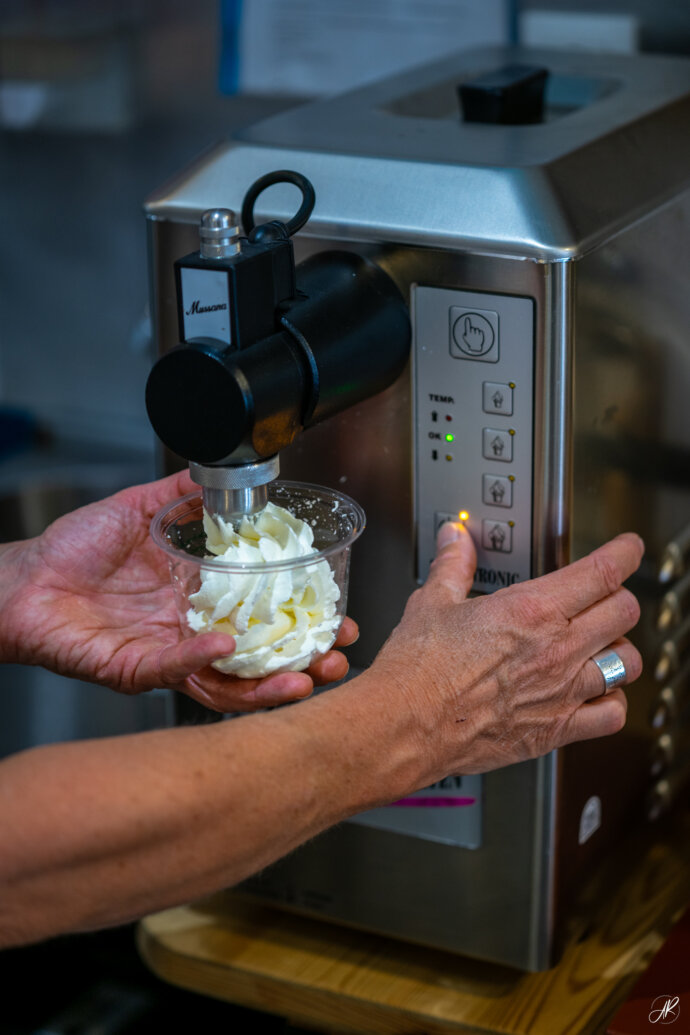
[100, 102]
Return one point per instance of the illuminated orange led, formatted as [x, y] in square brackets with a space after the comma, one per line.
[463, 515]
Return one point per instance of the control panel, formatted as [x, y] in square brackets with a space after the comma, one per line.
[473, 426]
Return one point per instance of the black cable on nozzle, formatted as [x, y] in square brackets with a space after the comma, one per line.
[280, 176]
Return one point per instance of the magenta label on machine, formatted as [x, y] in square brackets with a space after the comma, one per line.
[449, 811]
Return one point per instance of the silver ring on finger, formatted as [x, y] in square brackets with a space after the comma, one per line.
[612, 669]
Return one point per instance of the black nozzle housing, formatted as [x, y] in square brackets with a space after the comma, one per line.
[344, 337]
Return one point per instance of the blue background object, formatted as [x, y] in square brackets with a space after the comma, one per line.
[229, 57]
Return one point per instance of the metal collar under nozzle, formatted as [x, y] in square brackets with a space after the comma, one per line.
[232, 492]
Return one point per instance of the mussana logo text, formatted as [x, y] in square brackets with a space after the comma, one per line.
[197, 307]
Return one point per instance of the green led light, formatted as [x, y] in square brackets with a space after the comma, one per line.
[450, 438]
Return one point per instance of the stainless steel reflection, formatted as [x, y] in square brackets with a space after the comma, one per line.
[554, 420]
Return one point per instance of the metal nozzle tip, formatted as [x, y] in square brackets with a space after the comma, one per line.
[218, 219]
[219, 233]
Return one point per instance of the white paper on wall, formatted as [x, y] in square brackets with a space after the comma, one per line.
[318, 47]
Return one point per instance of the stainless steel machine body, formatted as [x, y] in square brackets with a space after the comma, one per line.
[546, 268]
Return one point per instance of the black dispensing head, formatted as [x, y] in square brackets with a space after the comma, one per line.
[268, 350]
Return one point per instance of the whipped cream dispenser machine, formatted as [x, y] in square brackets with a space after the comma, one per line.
[478, 272]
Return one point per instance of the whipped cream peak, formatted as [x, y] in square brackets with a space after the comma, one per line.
[273, 534]
[281, 618]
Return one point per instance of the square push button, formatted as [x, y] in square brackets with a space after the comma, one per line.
[497, 490]
[440, 518]
[497, 536]
[497, 444]
[474, 334]
[498, 398]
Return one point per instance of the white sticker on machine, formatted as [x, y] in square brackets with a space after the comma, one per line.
[205, 304]
[590, 819]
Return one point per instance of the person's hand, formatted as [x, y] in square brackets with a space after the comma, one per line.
[91, 598]
[498, 679]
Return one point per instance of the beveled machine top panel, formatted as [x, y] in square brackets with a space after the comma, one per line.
[415, 115]
[394, 161]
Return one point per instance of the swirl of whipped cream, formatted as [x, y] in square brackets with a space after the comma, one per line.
[280, 619]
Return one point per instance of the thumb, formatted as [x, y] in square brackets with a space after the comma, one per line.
[455, 561]
[179, 660]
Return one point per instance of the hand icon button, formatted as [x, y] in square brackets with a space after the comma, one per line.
[474, 335]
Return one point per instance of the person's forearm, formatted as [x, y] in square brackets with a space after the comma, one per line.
[100, 832]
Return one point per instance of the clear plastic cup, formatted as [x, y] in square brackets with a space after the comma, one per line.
[268, 647]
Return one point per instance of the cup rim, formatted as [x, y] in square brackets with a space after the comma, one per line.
[214, 563]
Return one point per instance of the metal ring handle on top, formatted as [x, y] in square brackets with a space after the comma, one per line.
[280, 176]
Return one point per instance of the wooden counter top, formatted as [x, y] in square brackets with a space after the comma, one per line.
[334, 979]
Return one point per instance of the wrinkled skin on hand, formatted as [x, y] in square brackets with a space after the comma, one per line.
[91, 598]
[509, 676]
